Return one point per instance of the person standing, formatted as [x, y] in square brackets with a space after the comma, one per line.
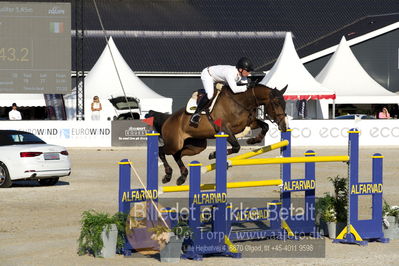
[95, 108]
[384, 114]
[225, 74]
[14, 114]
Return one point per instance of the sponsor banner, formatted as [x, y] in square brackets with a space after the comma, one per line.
[66, 133]
[308, 133]
[127, 133]
[374, 132]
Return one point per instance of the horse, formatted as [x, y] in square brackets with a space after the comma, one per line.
[236, 111]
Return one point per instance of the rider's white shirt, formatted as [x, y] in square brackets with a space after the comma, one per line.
[224, 74]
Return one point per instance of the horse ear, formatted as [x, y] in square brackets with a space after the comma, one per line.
[284, 89]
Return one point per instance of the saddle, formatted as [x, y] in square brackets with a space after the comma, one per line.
[191, 105]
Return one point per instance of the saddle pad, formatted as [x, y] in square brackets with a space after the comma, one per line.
[192, 103]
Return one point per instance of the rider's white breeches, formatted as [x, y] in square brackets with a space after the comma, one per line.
[207, 82]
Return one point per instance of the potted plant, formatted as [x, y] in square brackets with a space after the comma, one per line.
[326, 214]
[329, 216]
[101, 234]
[170, 240]
[390, 221]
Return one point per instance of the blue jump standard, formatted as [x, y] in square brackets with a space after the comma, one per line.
[216, 236]
[363, 231]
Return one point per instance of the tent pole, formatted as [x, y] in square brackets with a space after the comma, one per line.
[333, 112]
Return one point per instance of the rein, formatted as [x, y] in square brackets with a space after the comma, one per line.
[250, 111]
[244, 107]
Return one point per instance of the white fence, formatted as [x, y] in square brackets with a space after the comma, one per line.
[305, 132]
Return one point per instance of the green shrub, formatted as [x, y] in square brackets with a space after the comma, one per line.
[340, 197]
[334, 208]
[92, 225]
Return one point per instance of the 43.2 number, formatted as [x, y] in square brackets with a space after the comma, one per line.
[13, 54]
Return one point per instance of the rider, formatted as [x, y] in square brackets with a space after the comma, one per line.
[225, 74]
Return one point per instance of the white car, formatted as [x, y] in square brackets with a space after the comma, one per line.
[25, 156]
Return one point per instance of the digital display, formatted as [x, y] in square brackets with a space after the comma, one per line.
[35, 47]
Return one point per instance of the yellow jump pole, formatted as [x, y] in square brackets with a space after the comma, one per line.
[262, 183]
[260, 150]
[250, 154]
[284, 160]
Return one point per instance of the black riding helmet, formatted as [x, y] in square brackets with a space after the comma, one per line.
[245, 64]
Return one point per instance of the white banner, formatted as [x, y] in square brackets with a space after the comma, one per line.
[378, 132]
[308, 133]
[66, 133]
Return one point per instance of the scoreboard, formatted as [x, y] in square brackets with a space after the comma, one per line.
[35, 47]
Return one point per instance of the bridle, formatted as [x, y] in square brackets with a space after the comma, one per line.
[283, 115]
[277, 121]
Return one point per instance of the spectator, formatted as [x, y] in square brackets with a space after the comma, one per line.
[14, 114]
[384, 114]
[95, 108]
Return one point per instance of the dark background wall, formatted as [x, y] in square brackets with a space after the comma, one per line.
[178, 88]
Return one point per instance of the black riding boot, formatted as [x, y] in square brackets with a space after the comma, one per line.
[195, 118]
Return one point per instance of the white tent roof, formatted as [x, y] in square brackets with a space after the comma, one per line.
[344, 74]
[103, 81]
[288, 69]
[22, 99]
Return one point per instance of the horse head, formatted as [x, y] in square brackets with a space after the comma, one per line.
[275, 108]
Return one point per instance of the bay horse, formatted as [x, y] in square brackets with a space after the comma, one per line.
[236, 111]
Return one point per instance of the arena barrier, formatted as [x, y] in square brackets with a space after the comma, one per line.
[356, 232]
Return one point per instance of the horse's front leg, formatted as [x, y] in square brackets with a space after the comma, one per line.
[235, 146]
[168, 169]
[258, 124]
[183, 169]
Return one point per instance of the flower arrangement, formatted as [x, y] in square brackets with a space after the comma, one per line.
[329, 214]
[161, 233]
[390, 210]
[325, 207]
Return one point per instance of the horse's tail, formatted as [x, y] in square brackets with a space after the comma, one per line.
[159, 119]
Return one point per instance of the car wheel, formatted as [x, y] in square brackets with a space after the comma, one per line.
[5, 180]
[48, 181]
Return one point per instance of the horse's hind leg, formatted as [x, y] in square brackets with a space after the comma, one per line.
[168, 169]
[183, 169]
[256, 124]
[191, 147]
